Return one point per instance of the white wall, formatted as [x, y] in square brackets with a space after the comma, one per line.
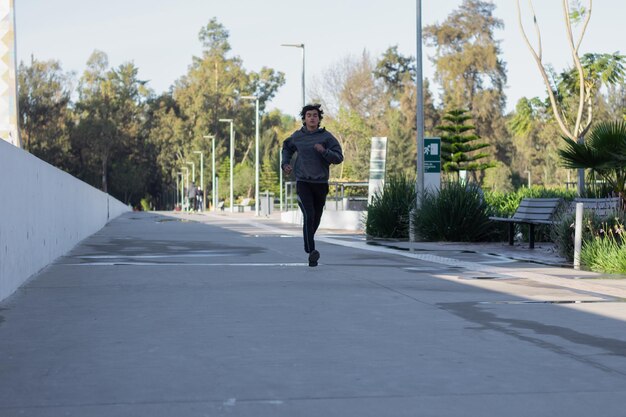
[44, 212]
[331, 219]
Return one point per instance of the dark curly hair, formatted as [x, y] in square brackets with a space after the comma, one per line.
[308, 107]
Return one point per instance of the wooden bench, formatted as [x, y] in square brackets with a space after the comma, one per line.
[244, 203]
[601, 207]
[531, 211]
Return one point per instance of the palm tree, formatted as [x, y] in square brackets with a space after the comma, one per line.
[604, 153]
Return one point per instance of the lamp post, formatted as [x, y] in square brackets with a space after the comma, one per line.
[256, 153]
[203, 206]
[232, 157]
[187, 183]
[182, 188]
[419, 185]
[299, 45]
[193, 171]
[213, 193]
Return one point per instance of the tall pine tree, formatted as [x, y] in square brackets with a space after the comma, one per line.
[459, 147]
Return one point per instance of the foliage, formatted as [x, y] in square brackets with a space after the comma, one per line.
[458, 147]
[499, 179]
[536, 138]
[572, 96]
[505, 204]
[268, 177]
[146, 204]
[456, 213]
[44, 92]
[605, 251]
[604, 152]
[388, 213]
[470, 70]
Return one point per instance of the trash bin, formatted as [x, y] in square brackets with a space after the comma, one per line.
[267, 203]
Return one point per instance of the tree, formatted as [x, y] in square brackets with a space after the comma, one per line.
[586, 76]
[458, 147]
[392, 68]
[111, 112]
[535, 148]
[208, 92]
[470, 70]
[268, 178]
[604, 153]
[44, 111]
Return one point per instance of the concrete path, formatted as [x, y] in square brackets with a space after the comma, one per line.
[219, 315]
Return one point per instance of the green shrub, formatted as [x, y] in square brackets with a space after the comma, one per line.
[505, 204]
[457, 213]
[593, 226]
[145, 204]
[605, 252]
[562, 232]
[388, 213]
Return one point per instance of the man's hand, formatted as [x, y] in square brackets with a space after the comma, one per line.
[287, 169]
[319, 147]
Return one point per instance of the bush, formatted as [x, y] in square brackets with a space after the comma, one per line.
[145, 204]
[457, 213]
[593, 226]
[562, 232]
[605, 252]
[388, 213]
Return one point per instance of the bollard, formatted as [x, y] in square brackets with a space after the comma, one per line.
[578, 232]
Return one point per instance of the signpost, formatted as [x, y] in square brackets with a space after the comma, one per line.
[432, 163]
[378, 157]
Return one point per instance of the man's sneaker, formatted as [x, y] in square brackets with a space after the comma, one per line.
[314, 256]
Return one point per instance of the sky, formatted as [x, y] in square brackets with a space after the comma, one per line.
[161, 36]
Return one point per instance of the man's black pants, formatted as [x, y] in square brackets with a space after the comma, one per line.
[311, 199]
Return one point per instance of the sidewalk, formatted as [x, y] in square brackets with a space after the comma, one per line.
[542, 264]
[195, 315]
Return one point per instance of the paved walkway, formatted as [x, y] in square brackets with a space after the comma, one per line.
[218, 315]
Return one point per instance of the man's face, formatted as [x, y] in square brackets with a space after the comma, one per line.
[311, 119]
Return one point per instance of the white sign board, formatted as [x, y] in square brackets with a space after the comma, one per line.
[378, 158]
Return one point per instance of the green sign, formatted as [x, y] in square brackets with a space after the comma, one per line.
[432, 155]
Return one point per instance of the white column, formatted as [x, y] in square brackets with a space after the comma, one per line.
[8, 75]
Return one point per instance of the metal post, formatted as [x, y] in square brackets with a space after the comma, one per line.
[214, 181]
[280, 170]
[419, 186]
[256, 154]
[212, 170]
[203, 206]
[299, 45]
[578, 232]
[193, 171]
[232, 157]
[303, 89]
[177, 185]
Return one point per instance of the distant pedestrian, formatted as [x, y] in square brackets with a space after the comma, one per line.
[199, 199]
[316, 149]
[191, 194]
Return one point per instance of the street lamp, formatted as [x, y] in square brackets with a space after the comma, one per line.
[213, 193]
[203, 206]
[419, 185]
[256, 153]
[299, 45]
[187, 188]
[193, 171]
[232, 157]
[182, 188]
